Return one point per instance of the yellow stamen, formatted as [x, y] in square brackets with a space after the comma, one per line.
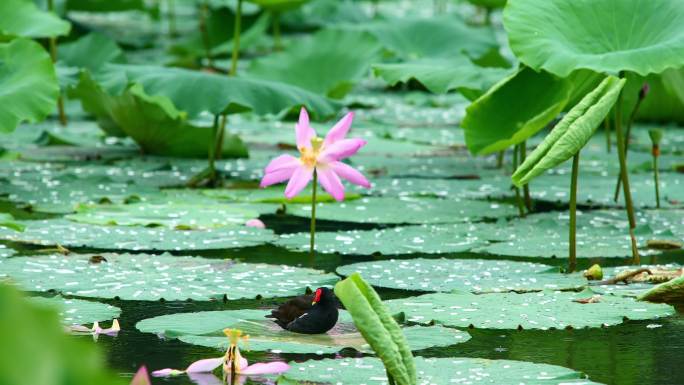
[309, 155]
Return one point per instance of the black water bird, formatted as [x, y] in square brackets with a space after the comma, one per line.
[308, 314]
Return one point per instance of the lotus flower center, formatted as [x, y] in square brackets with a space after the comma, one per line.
[309, 155]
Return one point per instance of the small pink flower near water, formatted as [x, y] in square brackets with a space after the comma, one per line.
[255, 223]
[322, 155]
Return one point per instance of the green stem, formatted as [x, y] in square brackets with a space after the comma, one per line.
[172, 18]
[625, 177]
[606, 129]
[518, 198]
[236, 39]
[655, 175]
[632, 116]
[204, 9]
[500, 159]
[276, 31]
[313, 216]
[526, 187]
[53, 56]
[218, 140]
[212, 149]
[488, 16]
[572, 252]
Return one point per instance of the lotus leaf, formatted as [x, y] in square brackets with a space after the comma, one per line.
[427, 239]
[668, 292]
[369, 370]
[407, 210]
[572, 132]
[146, 277]
[514, 109]
[104, 5]
[543, 310]
[321, 63]
[206, 329]
[172, 215]
[633, 35]
[78, 311]
[279, 5]
[51, 232]
[23, 18]
[91, 52]
[28, 82]
[474, 275]
[443, 75]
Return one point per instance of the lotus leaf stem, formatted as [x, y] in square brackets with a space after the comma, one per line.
[518, 198]
[212, 149]
[236, 39]
[313, 217]
[632, 116]
[572, 241]
[500, 159]
[656, 135]
[625, 176]
[526, 187]
[278, 45]
[53, 56]
[171, 11]
[606, 129]
[204, 9]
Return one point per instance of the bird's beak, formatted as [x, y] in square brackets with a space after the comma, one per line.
[313, 303]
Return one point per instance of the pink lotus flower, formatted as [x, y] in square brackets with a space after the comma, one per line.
[255, 223]
[320, 155]
[232, 359]
[141, 377]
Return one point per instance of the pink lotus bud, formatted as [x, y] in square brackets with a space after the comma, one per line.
[644, 91]
[255, 223]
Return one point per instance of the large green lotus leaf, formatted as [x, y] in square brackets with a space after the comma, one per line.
[513, 110]
[369, 370]
[78, 311]
[492, 184]
[28, 84]
[407, 210]
[473, 275]
[272, 195]
[172, 215]
[154, 122]
[23, 18]
[321, 63]
[377, 326]
[489, 3]
[425, 239]
[434, 37]
[545, 235]
[443, 75]
[52, 232]
[91, 52]
[61, 195]
[633, 35]
[543, 310]
[8, 221]
[206, 329]
[147, 277]
[572, 132]
[450, 170]
[220, 94]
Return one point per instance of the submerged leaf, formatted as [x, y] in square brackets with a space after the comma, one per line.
[572, 132]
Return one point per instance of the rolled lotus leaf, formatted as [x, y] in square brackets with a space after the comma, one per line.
[377, 326]
[667, 292]
[572, 132]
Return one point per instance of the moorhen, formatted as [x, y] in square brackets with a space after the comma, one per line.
[308, 314]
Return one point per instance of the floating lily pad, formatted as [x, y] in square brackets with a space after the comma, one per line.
[407, 210]
[369, 370]
[152, 277]
[171, 215]
[543, 310]
[491, 186]
[51, 232]
[78, 311]
[430, 239]
[474, 275]
[599, 234]
[206, 329]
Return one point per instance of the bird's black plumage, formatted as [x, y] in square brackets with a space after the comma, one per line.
[300, 316]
